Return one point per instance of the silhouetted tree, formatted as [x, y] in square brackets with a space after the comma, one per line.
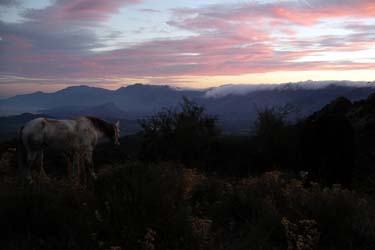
[274, 138]
[185, 134]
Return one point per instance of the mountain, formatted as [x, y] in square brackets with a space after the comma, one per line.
[235, 105]
[77, 95]
[150, 98]
[133, 98]
[339, 139]
[237, 112]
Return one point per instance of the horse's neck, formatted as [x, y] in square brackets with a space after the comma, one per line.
[101, 128]
[102, 133]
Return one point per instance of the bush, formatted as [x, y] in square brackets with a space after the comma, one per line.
[268, 212]
[131, 206]
[275, 139]
[162, 206]
[143, 205]
[241, 216]
[186, 135]
[46, 216]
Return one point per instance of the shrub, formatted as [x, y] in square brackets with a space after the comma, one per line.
[344, 219]
[241, 217]
[185, 135]
[301, 236]
[274, 211]
[275, 139]
[142, 205]
[45, 216]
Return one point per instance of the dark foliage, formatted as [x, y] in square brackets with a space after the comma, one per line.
[185, 135]
[327, 149]
[133, 206]
[275, 139]
[140, 199]
[46, 216]
[327, 144]
[250, 213]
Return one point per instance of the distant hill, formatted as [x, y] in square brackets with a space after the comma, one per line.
[235, 105]
[133, 98]
[307, 100]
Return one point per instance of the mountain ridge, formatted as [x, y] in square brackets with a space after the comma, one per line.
[232, 104]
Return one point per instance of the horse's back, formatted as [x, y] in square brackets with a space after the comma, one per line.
[49, 132]
[59, 134]
[33, 130]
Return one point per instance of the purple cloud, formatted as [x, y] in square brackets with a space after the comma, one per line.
[59, 41]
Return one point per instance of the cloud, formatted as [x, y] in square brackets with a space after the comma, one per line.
[307, 12]
[147, 10]
[236, 89]
[56, 40]
[9, 3]
[244, 89]
[79, 10]
[228, 39]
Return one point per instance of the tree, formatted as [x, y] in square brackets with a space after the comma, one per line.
[185, 134]
[274, 138]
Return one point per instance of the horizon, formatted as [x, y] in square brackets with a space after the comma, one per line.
[236, 88]
[50, 45]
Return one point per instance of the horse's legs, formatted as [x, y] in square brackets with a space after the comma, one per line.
[31, 158]
[74, 165]
[79, 166]
[70, 162]
[90, 164]
[68, 157]
[83, 168]
[41, 159]
[87, 167]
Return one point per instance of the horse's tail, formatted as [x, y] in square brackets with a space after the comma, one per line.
[21, 151]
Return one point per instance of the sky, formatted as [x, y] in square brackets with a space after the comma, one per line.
[46, 45]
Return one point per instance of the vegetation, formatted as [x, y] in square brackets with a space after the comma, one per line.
[186, 135]
[180, 184]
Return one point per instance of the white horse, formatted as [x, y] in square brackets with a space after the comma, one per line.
[76, 139]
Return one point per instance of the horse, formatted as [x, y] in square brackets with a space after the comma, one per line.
[76, 139]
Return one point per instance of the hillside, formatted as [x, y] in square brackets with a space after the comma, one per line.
[235, 106]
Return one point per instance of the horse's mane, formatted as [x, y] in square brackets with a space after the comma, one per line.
[101, 125]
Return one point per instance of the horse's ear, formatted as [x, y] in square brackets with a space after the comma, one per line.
[117, 124]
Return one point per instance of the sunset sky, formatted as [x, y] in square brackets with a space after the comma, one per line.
[47, 45]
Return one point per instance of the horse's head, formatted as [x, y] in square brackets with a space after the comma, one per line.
[116, 134]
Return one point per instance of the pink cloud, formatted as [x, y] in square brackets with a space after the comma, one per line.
[279, 12]
[17, 42]
[228, 40]
[80, 10]
[208, 55]
[310, 16]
